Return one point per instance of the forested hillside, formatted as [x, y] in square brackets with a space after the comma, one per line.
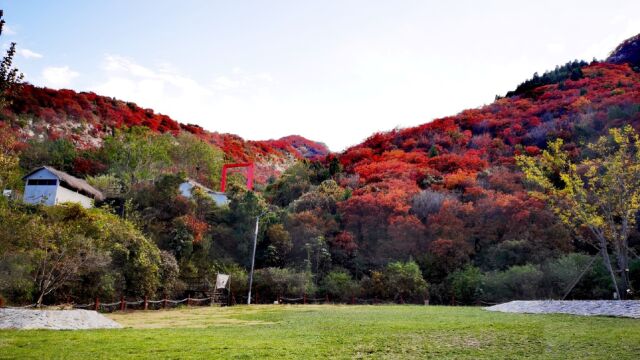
[437, 211]
[450, 191]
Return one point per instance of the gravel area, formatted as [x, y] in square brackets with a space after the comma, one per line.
[627, 308]
[54, 319]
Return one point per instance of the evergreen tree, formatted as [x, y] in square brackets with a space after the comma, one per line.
[10, 77]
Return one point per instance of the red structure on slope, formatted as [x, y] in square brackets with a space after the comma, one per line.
[226, 167]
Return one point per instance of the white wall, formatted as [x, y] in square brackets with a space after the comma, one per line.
[65, 195]
[52, 194]
[219, 198]
[41, 194]
[185, 189]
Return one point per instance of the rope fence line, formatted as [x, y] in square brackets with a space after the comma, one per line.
[144, 304]
[228, 299]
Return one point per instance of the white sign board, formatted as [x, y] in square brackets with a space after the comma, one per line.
[222, 281]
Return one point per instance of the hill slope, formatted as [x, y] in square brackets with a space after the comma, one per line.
[449, 188]
[86, 118]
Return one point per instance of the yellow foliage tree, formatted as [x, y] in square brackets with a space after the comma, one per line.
[598, 196]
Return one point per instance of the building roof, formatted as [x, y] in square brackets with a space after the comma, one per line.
[72, 182]
[202, 187]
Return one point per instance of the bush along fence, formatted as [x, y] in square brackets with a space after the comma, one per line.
[159, 304]
[144, 304]
[304, 299]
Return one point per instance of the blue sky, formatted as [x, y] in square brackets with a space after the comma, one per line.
[333, 71]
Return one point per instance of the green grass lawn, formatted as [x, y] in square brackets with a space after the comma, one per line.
[326, 331]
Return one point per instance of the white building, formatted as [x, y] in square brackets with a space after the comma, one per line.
[48, 186]
[187, 187]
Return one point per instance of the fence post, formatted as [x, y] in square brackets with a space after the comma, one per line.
[188, 300]
[353, 300]
[96, 305]
[304, 299]
[164, 302]
[257, 302]
[146, 302]
[122, 303]
[326, 298]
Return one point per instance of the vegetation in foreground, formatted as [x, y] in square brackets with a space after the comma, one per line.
[329, 331]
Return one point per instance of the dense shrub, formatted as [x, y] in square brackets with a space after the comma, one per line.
[170, 283]
[89, 252]
[466, 285]
[515, 283]
[404, 282]
[273, 282]
[339, 286]
[561, 273]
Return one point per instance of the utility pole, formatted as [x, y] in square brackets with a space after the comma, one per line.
[253, 257]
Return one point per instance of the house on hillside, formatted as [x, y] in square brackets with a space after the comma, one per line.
[188, 186]
[48, 186]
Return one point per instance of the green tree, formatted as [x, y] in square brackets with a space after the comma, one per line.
[404, 280]
[16, 228]
[280, 244]
[294, 182]
[561, 273]
[197, 159]
[68, 250]
[59, 154]
[516, 283]
[598, 196]
[339, 285]
[137, 154]
[243, 209]
[10, 77]
[272, 282]
[9, 169]
[466, 284]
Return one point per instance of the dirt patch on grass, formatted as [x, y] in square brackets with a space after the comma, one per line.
[186, 318]
[460, 341]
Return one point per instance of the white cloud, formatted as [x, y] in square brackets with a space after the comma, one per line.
[163, 90]
[57, 77]
[222, 103]
[29, 54]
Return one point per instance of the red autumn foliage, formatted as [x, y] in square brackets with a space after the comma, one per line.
[346, 241]
[470, 157]
[196, 226]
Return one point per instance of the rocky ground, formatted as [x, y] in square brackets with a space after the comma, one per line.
[628, 308]
[54, 319]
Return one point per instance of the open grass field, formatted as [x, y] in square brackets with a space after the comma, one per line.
[341, 332]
